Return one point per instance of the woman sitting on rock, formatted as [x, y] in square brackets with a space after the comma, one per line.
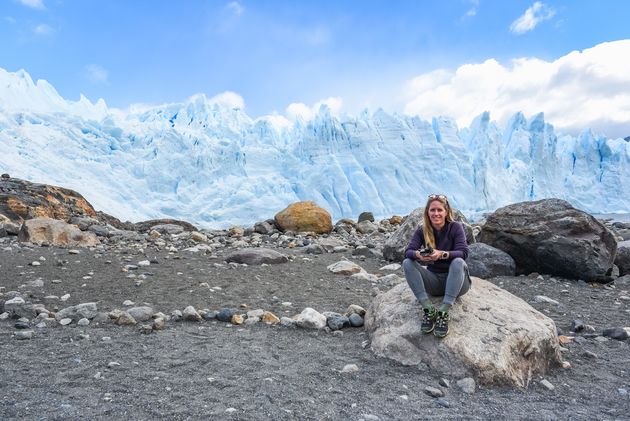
[443, 249]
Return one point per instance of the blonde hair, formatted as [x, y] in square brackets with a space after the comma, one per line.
[427, 228]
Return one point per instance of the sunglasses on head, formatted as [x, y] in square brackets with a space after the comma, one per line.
[437, 196]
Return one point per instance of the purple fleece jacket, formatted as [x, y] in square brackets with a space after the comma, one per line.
[451, 238]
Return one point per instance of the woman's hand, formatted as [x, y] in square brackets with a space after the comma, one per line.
[429, 258]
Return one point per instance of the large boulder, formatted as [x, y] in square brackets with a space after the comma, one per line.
[256, 256]
[485, 261]
[21, 200]
[304, 217]
[146, 226]
[551, 236]
[494, 336]
[57, 233]
[623, 257]
[394, 248]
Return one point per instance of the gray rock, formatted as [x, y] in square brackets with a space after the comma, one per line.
[24, 334]
[355, 320]
[493, 334]
[311, 319]
[337, 322]
[367, 227]
[433, 392]
[83, 322]
[256, 256]
[577, 325]
[287, 322]
[171, 229]
[87, 310]
[466, 385]
[191, 314]
[210, 315]
[485, 261]
[314, 249]
[622, 260]
[547, 384]
[141, 314]
[617, 333]
[551, 236]
[265, 228]
[350, 368]
[366, 216]
[225, 314]
[17, 307]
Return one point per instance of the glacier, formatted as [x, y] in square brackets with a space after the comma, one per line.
[215, 166]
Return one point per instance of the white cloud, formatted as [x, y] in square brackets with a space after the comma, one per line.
[229, 99]
[472, 11]
[298, 109]
[34, 4]
[583, 89]
[535, 14]
[235, 7]
[96, 74]
[43, 29]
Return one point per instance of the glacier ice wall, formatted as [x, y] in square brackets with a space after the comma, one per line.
[203, 162]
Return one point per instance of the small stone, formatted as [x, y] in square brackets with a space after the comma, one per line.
[547, 384]
[589, 354]
[21, 324]
[577, 325]
[144, 263]
[225, 314]
[128, 303]
[237, 319]
[355, 309]
[113, 364]
[65, 322]
[433, 392]
[210, 315]
[255, 313]
[73, 251]
[566, 364]
[35, 263]
[270, 318]
[64, 297]
[24, 334]
[356, 320]
[623, 392]
[158, 323]
[466, 385]
[545, 299]
[83, 322]
[444, 382]
[176, 315]
[230, 410]
[191, 314]
[350, 368]
[125, 319]
[288, 322]
[146, 329]
[4, 316]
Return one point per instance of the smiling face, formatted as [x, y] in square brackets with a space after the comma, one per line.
[437, 214]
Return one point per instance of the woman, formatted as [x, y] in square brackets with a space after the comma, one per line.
[443, 249]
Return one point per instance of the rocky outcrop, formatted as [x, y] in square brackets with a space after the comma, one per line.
[623, 257]
[256, 256]
[395, 246]
[494, 336]
[551, 236]
[55, 232]
[145, 226]
[304, 217]
[485, 261]
[21, 200]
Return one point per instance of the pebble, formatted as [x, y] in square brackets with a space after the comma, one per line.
[144, 263]
[545, 299]
[589, 354]
[623, 392]
[191, 314]
[113, 364]
[443, 402]
[467, 385]
[83, 322]
[230, 410]
[547, 384]
[225, 314]
[617, 333]
[35, 263]
[24, 334]
[65, 322]
[21, 324]
[355, 320]
[4, 316]
[433, 391]
[350, 368]
[128, 303]
[64, 297]
[73, 251]
[444, 382]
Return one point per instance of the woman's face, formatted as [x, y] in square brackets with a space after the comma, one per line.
[437, 213]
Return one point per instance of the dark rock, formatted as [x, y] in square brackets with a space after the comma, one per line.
[551, 236]
[355, 320]
[396, 244]
[256, 256]
[366, 216]
[485, 261]
[577, 325]
[265, 227]
[211, 315]
[622, 260]
[145, 226]
[225, 314]
[617, 333]
[337, 322]
[3, 232]
[21, 200]
[314, 249]
[21, 324]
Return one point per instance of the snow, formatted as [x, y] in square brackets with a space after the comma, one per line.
[208, 162]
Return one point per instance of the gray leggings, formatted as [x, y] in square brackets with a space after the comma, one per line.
[423, 282]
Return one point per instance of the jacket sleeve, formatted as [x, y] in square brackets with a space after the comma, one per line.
[416, 243]
[460, 245]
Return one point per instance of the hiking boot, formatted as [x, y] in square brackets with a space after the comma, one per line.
[441, 324]
[428, 319]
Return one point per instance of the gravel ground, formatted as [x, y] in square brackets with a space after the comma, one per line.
[213, 370]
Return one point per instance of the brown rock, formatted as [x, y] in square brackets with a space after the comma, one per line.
[395, 220]
[270, 318]
[55, 232]
[237, 319]
[304, 216]
[21, 200]
[125, 319]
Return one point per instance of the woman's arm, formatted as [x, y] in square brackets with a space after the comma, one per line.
[416, 243]
[460, 245]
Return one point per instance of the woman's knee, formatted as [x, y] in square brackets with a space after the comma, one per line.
[458, 263]
[408, 264]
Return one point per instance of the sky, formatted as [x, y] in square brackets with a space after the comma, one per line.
[569, 59]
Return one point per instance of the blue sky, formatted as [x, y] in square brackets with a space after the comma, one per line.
[276, 53]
